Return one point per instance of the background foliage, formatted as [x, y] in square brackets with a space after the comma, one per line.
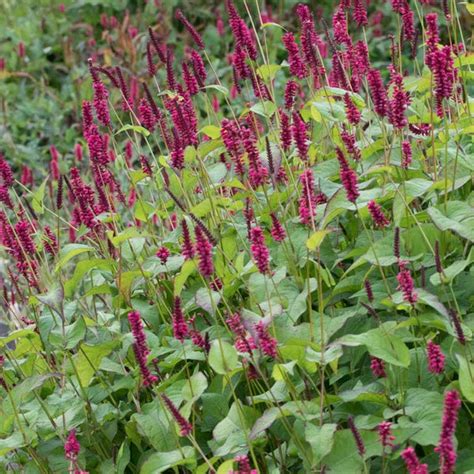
[290, 403]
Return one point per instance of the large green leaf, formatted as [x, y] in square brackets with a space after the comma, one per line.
[223, 357]
[382, 344]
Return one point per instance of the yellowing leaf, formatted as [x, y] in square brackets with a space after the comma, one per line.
[316, 239]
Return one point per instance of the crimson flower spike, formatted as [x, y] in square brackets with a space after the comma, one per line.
[445, 448]
[160, 49]
[185, 425]
[191, 30]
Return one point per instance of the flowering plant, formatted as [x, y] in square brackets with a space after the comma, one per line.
[264, 267]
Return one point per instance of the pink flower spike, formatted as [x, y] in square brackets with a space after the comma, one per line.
[140, 347]
[277, 230]
[379, 218]
[266, 343]
[259, 250]
[191, 30]
[385, 434]
[72, 446]
[204, 251]
[352, 112]
[413, 463]
[445, 448]
[435, 358]
[185, 426]
[180, 327]
[406, 284]
[378, 367]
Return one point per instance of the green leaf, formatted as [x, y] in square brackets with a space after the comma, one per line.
[187, 269]
[321, 439]
[316, 239]
[466, 377]
[208, 300]
[264, 422]
[265, 109]
[451, 272]
[203, 208]
[459, 218]
[38, 198]
[14, 335]
[194, 387]
[14, 441]
[211, 131]
[134, 128]
[70, 251]
[269, 24]
[217, 87]
[88, 360]
[268, 71]
[82, 268]
[75, 333]
[154, 424]
[223, 357]
[160, 462]
[123, 457]
[381, 344]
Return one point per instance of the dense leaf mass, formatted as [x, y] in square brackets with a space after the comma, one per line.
[236, 238]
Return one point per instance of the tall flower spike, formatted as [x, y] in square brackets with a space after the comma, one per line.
[399, 102]
[406, 154]
[149, 60]
[439, 266]
[184, 425]
[277, 230]
[180, 327]
[377, 366]
[445, 447]
[396, 242]
[408, 23]
[198, 67]
[357, 437]
[5, 172]
[348, 177]
[190, 80]
[339, 25]
[352, 112]
[72, 446]
[140, 347]
[307, 202]
[50, 242]
[146, 115]
[297, 66]
[406, 284]
[259, 250]
[291, 89]
[266, 343]
[379, 218]
[378, 92]
[413, 463]
[368, 291]
[435, 358]
[360, 13]
[101, 96]
[204, 251]
[285, 131]
[191, 30]
[457, 326]
[385, 434]
[350, 144]
[187, 248]
[169, 70]
[300, 136]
